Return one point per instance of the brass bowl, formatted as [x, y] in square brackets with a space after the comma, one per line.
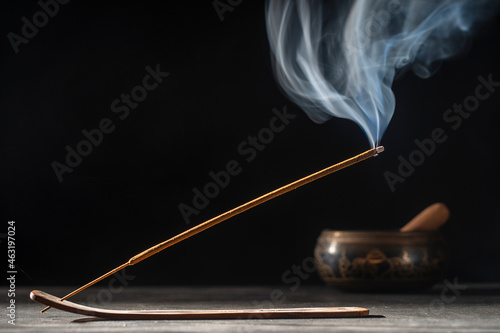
[381, 261]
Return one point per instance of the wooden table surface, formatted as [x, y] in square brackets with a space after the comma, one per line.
[442, 309]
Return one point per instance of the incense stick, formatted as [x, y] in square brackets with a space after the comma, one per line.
[230, 213]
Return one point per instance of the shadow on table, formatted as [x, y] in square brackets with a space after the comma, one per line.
[472, 289]
[93, 319]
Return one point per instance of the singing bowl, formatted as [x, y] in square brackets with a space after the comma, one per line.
[381, 261]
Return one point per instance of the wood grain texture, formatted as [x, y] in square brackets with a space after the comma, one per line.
[323, 312]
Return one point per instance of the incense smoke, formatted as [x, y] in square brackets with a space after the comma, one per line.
[341, 60]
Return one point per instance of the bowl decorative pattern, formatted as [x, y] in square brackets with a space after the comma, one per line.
[380, 260]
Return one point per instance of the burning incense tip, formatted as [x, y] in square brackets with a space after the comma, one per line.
[230, 213]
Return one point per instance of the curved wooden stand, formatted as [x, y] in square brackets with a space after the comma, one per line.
[324, 312]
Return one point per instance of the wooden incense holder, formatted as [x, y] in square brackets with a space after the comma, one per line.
[230, 213]
[324, 312]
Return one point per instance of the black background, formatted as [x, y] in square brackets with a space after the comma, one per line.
[124, 196]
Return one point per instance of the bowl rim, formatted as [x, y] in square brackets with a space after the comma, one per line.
[376, 236]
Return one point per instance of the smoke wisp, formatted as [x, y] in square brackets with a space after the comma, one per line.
[340, 60]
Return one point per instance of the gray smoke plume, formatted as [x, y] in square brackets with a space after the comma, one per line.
[341, 59]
